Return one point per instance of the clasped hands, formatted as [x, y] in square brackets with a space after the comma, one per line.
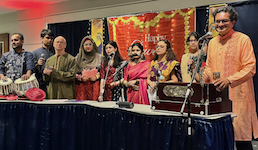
[84, 79]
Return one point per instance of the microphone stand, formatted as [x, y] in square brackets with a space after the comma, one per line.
[104, 84]
[120, 68]
[188, 99]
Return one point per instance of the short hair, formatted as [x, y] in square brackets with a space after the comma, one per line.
[195, 34]
[21, 36]
[45, 32]
[233, 15]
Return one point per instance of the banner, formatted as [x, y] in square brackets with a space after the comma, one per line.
[97, 33]
[149, 28]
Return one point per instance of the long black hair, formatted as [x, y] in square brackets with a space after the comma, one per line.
[117, 57]
[170, 54]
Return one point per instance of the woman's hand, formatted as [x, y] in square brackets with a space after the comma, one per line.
[152, 85]
[190, 62]
[84, 79]
[93, 78]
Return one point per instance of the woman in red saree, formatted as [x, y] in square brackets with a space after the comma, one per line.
[135, 76]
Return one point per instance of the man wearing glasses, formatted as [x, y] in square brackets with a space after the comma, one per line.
[231, 54]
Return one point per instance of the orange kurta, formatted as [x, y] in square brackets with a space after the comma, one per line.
[234, 58]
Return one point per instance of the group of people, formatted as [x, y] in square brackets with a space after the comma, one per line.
[89, 76]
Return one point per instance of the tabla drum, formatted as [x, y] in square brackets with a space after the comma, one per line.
[21, 86]
[6, 86]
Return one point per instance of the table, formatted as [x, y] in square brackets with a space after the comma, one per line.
[90, 125]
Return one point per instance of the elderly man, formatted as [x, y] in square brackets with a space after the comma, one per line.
[59, 72]
[43, 53]
[231, 54]
[17, 63]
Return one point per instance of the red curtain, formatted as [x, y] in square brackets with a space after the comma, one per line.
[148, 28]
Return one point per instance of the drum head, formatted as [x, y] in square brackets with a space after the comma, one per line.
[36, 94]
[8, 81]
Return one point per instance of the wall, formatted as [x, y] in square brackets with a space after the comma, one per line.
[30, 22]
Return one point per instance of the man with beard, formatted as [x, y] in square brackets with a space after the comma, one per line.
[17, 63]
[231, 54]
[42, 54]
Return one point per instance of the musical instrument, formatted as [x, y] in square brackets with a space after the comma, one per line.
[6, 86]
[205, 100]
[21, 86]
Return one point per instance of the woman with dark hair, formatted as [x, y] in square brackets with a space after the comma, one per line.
[87, 70]
[135, 76]
[164, 67]
[111, 91]
[192, 42]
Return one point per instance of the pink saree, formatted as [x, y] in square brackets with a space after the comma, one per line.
[138, 71]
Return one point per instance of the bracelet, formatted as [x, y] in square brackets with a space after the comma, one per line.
[97, 76]
[126, 84]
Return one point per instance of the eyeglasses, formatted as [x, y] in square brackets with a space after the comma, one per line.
[224, 21]
[90, 44]
[192, 41]
[159, 46]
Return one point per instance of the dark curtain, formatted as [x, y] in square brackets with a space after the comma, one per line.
[105, 32]
[247, 23]
[202, 19]
[28, 126]
[73, 32]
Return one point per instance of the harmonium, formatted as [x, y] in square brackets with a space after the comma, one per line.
[205, 99]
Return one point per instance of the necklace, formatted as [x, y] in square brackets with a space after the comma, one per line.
[159, 75]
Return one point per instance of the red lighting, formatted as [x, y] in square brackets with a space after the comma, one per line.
[23, 4]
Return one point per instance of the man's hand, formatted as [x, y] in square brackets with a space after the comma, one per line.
[25, 77]
[2, 77]
[41, 61]
[47, 70]
[221, 83]
[205, 77]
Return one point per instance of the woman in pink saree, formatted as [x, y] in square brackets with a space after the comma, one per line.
[135, 77]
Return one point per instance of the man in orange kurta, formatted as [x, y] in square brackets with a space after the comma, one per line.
[231, 53]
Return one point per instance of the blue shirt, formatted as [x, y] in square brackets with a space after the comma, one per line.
[14, 65]
[39, 71]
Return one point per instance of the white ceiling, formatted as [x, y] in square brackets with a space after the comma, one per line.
[8, 6]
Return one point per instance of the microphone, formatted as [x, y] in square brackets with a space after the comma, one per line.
[109, 56]
[204, 36]
[42, 56]
[137, 54]
[189, 66]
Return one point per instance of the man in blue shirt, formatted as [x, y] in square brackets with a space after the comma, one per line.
[17, 63]
[42, 54]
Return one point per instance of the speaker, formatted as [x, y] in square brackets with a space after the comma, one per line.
[125, 104]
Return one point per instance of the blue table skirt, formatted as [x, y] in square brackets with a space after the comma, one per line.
[28, 126]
